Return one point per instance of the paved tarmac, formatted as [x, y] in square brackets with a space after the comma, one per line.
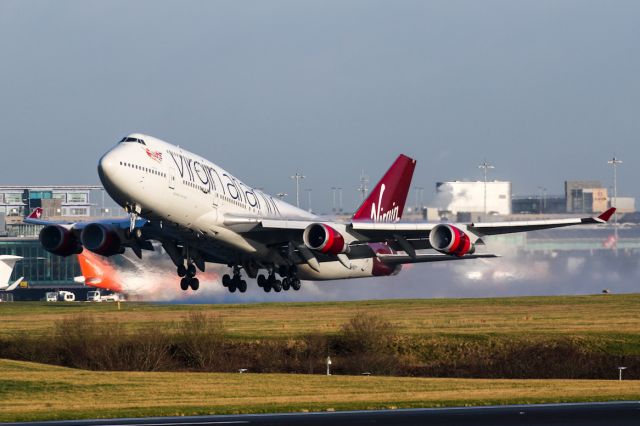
[589, 414]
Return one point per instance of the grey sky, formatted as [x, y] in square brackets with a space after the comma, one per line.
[545, 90]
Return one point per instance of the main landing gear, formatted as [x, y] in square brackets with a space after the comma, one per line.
[188, 275]
[270, 282]
[236, 282]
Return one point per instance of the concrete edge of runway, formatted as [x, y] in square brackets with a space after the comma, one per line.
[245, 418]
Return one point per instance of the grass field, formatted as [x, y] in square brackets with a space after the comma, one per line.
[545, 315]
[612, 320]
[39, 392]
[607, 323]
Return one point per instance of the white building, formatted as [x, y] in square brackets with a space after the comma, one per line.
[623, 204]
[469, 197]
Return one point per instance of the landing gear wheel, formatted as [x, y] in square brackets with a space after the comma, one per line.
[277, 286]
[296, 284]
[195, 283]
[242, 286]
[226, 280]
[283, 270]
[182, 271]
[286, 284]
[267, 288]
[232, 288]
[262, 280]
[191, 269]
[184, 284]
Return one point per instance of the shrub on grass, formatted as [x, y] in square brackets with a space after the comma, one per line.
[366, 344]
[200, 342]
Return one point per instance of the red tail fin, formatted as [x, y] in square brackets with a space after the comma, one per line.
[36, 213]
[386, 201]
[98, 272]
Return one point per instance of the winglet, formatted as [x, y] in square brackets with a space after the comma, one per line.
[607, 215]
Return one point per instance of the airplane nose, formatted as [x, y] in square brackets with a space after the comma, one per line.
[107, 168]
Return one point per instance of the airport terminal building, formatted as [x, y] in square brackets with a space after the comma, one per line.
[42, 270]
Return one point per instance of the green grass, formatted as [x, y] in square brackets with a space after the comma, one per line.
[30, 392]
[611, 322]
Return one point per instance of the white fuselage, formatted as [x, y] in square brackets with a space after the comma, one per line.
[164, 182]
[177, 184]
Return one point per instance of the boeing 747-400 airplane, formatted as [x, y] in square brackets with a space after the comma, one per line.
[201, 213]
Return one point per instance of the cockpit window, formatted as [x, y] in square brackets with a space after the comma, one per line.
[128, 139]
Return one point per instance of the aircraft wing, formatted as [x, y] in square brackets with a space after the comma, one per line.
[497, 228]
[382, 232]
[122, 222]
[35, 218]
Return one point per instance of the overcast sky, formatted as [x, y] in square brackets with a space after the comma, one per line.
[544, 90]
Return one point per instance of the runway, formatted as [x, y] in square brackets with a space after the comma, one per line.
[615, 413]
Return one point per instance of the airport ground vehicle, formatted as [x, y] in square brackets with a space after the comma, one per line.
[94, 296]
[60, 296]
[97, 296]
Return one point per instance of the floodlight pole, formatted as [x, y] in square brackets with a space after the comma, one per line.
[328, 366]
[297, 178]
[614, 163]
[485, 166]
[543, 199]
[333, 198]
[309, 199]
[419, 192]
[364, 180]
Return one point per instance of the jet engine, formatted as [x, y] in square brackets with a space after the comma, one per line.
[101, 239]
[324, 238]
[449, 239]
[59, 240]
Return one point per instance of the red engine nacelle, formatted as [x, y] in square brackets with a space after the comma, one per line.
[324, 238]
[449, 239]
[101, 239]
[59, 240]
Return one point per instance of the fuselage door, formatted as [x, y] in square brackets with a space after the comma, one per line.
[171, 176]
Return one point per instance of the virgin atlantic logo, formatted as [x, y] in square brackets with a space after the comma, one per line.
[154, 155]
[377, 213]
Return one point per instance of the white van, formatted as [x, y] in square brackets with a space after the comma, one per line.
[113, 297]
[94, 296]
[66, 296]
[51, 296]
